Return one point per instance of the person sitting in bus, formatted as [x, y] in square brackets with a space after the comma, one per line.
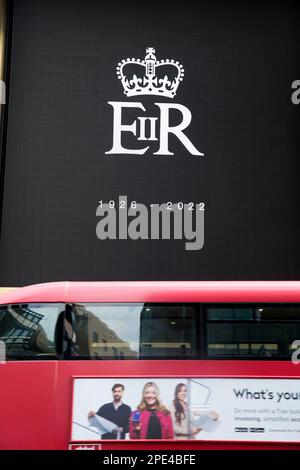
[151, 420]
[179, 413]
[263, 351]
[116, 412]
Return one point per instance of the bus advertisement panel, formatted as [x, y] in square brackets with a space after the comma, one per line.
[214, 409]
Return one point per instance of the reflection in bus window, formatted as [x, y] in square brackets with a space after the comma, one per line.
[120, 331]
[133, 331]
[28, 330]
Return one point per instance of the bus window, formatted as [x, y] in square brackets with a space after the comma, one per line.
[267, 332]
[168, 330]
[135, 331]
[28, 330]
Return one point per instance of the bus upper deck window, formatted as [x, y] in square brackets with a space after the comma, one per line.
[135, 331]
[28, 330]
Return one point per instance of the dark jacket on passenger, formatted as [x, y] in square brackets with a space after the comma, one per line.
[119, 416]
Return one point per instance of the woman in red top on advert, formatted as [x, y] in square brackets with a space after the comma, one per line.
[151, 420]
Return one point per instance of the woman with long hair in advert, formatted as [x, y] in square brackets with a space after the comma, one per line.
[151, 419]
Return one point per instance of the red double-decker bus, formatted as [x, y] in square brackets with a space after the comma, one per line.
[217, 359]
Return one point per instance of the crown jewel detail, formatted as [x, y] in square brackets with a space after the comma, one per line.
[151, 80]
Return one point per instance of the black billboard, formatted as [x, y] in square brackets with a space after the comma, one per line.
[152, 141]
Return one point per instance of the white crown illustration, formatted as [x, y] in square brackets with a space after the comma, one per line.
[151, 79]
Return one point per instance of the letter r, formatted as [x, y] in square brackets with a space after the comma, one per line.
[166, 129]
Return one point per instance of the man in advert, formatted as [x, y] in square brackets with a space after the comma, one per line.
[116, 412]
